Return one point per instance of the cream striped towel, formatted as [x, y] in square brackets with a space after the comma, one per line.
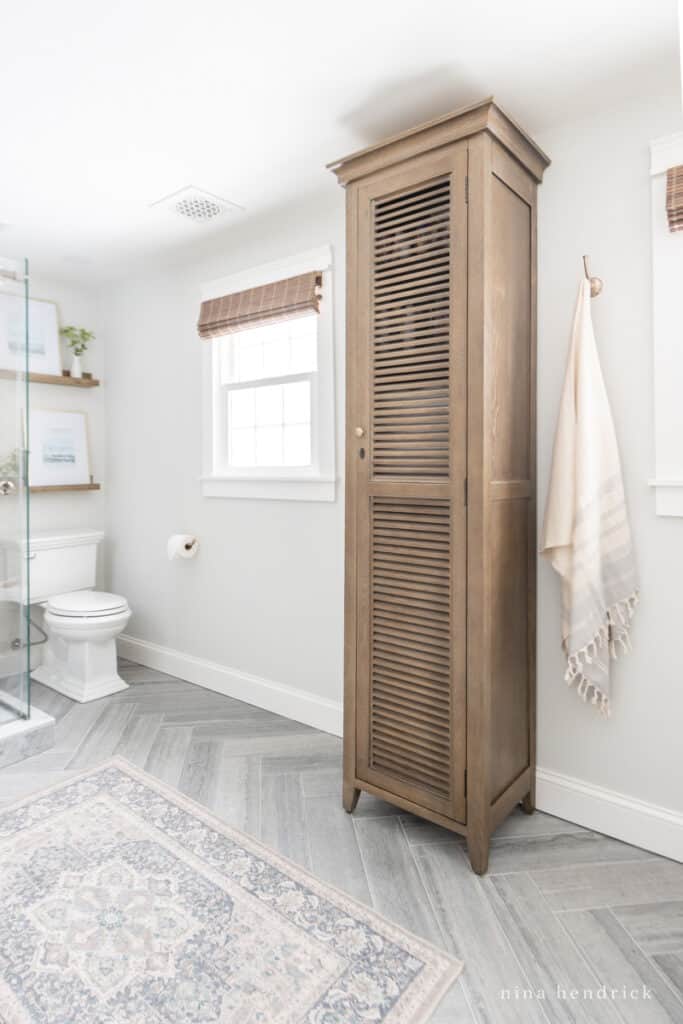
[586, 533]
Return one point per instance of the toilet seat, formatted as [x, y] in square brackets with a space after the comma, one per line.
[86, 604]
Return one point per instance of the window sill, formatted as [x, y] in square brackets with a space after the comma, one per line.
[668, 496]
[273, 488]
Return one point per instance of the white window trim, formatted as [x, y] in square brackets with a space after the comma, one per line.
[311, 483]
[667, 250]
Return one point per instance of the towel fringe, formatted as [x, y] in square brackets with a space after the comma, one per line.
[617, 628]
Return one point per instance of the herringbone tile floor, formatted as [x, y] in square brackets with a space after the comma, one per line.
[561, 911]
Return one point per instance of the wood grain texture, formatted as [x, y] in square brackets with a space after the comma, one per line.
[547, 954]
[620, 963]
[471, 931]
[511, 424]
[47, 488]
[478, 625]
[628, 883]
[334, 852]
[105, 735]
[51, 378]
[509, 583]
[510, 311]
[656, 929]
[256, 772]
[440, 643]
[485, 116]
[408, 521]
[283, 818]
[562, 850]
[529, 803]
[354, 350]
[393, 876]
[671, 966]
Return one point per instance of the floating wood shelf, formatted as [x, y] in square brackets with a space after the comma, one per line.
[64, 487]
[52, 378]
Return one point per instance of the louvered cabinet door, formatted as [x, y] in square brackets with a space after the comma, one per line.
[408, 377]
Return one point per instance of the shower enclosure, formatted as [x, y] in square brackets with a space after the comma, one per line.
[15, 625]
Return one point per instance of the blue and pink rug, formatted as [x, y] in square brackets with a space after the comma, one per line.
[123, 902]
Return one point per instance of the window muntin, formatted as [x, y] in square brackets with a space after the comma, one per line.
[270, 425]
[267, 392]
[271, 350]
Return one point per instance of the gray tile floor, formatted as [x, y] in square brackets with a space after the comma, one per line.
[6, 715]
[561, 911]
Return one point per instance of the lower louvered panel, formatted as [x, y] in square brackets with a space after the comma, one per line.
[410, 660]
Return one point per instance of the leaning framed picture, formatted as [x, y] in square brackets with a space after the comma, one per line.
[57, 443]
[43, 335]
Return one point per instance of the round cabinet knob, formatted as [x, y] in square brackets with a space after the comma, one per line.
[359, 432]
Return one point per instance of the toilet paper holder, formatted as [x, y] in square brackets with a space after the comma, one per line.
[182, 545]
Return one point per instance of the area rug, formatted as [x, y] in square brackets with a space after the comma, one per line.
[123, 902]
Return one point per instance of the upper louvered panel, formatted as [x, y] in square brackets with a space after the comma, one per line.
[410, 327]
[410, 690]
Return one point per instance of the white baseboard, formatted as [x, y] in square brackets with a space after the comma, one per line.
[603, 810]
[633, 821]
[280, 698]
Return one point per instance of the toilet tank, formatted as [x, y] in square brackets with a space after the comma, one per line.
[61, 561]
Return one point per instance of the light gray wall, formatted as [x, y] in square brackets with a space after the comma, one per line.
[596, 199]
[265, 594]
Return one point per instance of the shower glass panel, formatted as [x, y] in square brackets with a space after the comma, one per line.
[15, 692]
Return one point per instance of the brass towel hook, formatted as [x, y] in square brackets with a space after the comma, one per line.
[596, 282]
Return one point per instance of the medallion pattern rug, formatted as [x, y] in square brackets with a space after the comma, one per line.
[124, 902]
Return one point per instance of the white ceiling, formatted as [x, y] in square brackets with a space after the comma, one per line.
[108, 107]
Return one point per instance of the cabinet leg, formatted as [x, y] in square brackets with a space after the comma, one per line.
[529, 804]
[479, 854]
[350, 797]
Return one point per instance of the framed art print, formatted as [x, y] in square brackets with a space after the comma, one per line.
[58, 448]
[43, 335]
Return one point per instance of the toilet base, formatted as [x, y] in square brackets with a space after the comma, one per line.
[79, 657]
[81, 690]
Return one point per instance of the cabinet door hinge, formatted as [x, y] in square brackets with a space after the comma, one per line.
[467, 188]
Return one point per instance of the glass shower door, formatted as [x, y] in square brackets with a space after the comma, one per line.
[15, 692]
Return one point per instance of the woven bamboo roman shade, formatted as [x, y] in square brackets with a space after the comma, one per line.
[674, 198]
[281, 300]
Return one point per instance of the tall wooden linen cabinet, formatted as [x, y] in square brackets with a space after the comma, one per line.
[440, 471]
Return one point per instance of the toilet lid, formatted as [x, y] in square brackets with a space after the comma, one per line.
[86, 602]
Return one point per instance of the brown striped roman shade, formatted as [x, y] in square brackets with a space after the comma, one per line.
[674, 198]
[281, 300]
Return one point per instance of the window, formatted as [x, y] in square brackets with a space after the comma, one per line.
[666, 161]
[270, 432]
[266, 377]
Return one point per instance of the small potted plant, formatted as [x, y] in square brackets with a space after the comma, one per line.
[78, 339]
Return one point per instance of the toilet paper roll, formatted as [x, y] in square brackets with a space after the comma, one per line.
[182, 545]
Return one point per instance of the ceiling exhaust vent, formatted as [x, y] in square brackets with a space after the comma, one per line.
[196, 204]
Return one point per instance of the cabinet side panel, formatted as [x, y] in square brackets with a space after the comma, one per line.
[509, 652]
[510, 350]
[510, 371]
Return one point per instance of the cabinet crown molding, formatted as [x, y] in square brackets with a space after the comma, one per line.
[485, 116]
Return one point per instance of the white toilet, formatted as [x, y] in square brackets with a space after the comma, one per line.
[82, 624]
